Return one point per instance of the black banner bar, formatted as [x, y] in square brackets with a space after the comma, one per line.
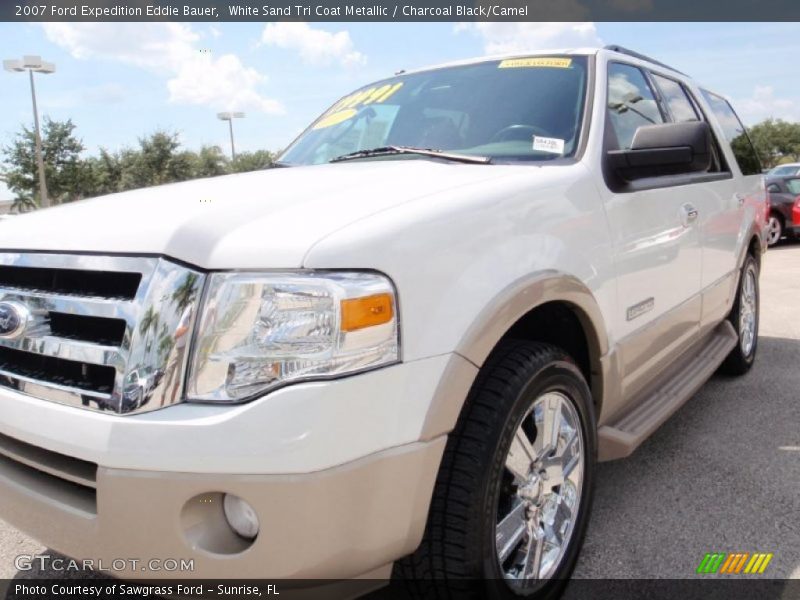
[399, 10]
[703, 588]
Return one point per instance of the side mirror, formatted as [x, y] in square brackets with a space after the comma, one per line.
[667, 149]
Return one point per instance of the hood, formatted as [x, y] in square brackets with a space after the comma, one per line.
[265, 219]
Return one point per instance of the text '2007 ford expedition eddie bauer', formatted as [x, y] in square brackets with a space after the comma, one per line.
[401, 350]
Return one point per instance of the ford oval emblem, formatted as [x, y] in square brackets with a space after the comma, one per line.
[13, 319]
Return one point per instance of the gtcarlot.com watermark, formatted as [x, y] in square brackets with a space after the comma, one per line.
[46, 562]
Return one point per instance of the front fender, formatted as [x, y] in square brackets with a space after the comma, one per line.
[497, 318]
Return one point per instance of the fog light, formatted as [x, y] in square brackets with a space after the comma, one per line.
[241, 516]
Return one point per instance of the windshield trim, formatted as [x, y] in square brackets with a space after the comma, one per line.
[583, 132]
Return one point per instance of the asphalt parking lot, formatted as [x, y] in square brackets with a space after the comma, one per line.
[722, 475]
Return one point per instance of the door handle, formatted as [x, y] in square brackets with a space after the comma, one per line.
[740, 198]
[689, 214]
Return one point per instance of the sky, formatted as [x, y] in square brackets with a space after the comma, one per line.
[121, 81]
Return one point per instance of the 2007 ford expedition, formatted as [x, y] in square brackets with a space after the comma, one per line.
[400, 350]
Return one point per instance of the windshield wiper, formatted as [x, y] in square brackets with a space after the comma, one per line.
[390, 150]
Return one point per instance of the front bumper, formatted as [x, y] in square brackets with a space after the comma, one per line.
[339, 523]
[340, 473]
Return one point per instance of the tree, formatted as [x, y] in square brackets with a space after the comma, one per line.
[149, 325]
[210, 162]
[252, 161]
[776, 141]
[68, 176]
[157, 160]
[109, 172]
[185, 293]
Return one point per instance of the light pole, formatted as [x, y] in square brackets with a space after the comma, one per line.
[229, 117]
[31, 64]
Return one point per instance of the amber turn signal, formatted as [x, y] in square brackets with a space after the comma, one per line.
[359, 313]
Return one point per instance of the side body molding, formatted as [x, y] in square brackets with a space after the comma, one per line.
[496, 319]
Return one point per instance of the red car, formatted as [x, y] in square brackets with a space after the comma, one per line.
[784, 216]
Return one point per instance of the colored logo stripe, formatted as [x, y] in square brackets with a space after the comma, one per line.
[734, 563]
[758, 563]
[723, 563]
[741, 562]
[711, 562]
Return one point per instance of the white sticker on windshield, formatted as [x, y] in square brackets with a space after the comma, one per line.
[546, 144]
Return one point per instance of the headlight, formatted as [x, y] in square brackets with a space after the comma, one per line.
[258, 331]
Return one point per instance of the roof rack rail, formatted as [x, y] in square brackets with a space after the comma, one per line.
[623, 50]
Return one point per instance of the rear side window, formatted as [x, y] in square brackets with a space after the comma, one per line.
[676, 99]
[631, 102]
[735, 134]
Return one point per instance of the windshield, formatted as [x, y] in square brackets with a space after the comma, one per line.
[524, 109]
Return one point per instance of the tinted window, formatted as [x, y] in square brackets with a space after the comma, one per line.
[526, 109]
[735, 133]
[631, 102]
[793, 185]
[676, 99]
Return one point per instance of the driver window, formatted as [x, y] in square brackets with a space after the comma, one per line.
[631, 103]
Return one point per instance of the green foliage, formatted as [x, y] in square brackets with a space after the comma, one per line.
[252, 161]
[67, 174]
[776, 141]
[157, 160]
[186, 292]
[210, 162]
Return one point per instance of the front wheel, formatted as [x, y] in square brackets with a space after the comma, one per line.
[744, 317]
[514, 491]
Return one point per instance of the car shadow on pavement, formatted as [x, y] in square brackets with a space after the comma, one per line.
[785, 244]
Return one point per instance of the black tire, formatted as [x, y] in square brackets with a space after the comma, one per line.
[739, 362]
[457, 557]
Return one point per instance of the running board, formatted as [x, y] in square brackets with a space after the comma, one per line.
[666, 394]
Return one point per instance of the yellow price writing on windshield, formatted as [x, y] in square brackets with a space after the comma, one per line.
[347, 107]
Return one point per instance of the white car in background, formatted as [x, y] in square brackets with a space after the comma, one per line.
[785, 170]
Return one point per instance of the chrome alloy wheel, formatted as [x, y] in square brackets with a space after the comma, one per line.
[774, 231]
[541, 490]
[748, 312]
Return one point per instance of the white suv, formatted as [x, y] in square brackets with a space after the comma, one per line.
[405, 346]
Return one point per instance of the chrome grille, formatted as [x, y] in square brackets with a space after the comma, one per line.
[100, 332]
[71, 282]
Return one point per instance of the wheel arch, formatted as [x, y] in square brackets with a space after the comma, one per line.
[755, 249]
[756, 246]
[550, 307]
[774, 211]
